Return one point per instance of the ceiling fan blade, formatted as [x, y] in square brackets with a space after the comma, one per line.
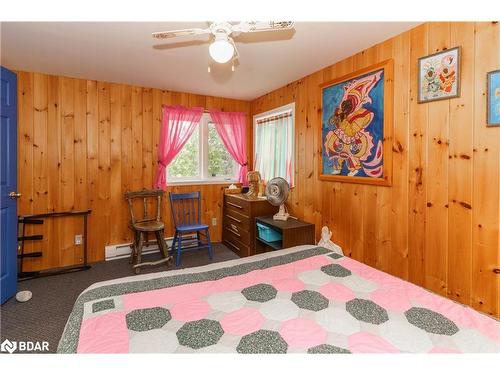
[256, 26]
[175, 33]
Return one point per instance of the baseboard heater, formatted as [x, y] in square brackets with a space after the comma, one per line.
[120, 251]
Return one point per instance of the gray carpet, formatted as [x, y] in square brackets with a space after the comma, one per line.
[44, 316]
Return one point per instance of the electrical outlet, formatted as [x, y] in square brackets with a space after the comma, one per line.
[214, 221]
[78, 239]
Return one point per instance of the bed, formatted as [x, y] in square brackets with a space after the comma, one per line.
[305, 299]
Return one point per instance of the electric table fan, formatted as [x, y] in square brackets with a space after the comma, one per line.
[277, 191]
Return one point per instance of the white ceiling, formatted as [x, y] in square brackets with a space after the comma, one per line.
[125, 52]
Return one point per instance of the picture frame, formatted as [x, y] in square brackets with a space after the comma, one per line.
[357, 126]
[493, 98]
[439, 75]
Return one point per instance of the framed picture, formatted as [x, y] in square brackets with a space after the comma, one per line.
[356, 126]
[439, 76]
[493, 109]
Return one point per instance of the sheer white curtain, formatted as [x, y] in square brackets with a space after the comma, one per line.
[274, 147]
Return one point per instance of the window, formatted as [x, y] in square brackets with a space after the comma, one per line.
[186, 164]
[220, 162]
[203, 158]
[274, 143]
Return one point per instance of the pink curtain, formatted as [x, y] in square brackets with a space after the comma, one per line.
[231, 127]
[178, 124]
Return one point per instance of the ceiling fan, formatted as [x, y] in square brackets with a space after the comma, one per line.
[222, 48]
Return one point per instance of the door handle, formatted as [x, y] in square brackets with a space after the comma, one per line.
[14, 195]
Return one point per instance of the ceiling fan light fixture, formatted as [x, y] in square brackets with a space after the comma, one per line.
[221, 50]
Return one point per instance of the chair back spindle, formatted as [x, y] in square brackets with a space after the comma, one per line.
[186, 208]
[147, 196]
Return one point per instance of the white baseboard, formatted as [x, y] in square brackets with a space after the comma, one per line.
[120, 251]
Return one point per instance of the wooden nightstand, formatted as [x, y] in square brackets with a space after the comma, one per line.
[238, 223]
[293, 233]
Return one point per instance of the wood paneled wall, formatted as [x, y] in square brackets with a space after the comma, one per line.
[82, 144]
[438, 225]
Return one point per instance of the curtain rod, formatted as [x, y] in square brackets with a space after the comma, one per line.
[275, 117]
[170, 105]
[206, 110]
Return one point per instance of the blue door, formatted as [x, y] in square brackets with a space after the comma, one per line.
[8, 184]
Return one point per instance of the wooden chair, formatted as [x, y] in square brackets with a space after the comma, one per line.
[143, 227]
[186, 213]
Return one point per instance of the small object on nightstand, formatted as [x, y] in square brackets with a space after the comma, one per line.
[262, 189]
[232, 189]
[277, 193]
[267, 234]
[253, 184]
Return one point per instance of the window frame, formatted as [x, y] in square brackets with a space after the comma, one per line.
[290, 107]
[203, 176]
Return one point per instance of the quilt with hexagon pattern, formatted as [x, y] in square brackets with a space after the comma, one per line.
[299, 300]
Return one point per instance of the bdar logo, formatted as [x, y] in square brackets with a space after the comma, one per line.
[8, 346]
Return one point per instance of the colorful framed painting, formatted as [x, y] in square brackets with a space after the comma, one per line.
[493, 109]
[439, 76]
[356, 126]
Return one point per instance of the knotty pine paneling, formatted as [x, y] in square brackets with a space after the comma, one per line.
[438, 224]
[82, 145]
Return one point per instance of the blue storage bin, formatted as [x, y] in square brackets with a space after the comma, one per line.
[268, 234]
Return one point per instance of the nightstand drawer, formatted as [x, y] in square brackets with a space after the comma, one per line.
[236, 218]
[238, 247]
[238, 233]
[239, 205]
